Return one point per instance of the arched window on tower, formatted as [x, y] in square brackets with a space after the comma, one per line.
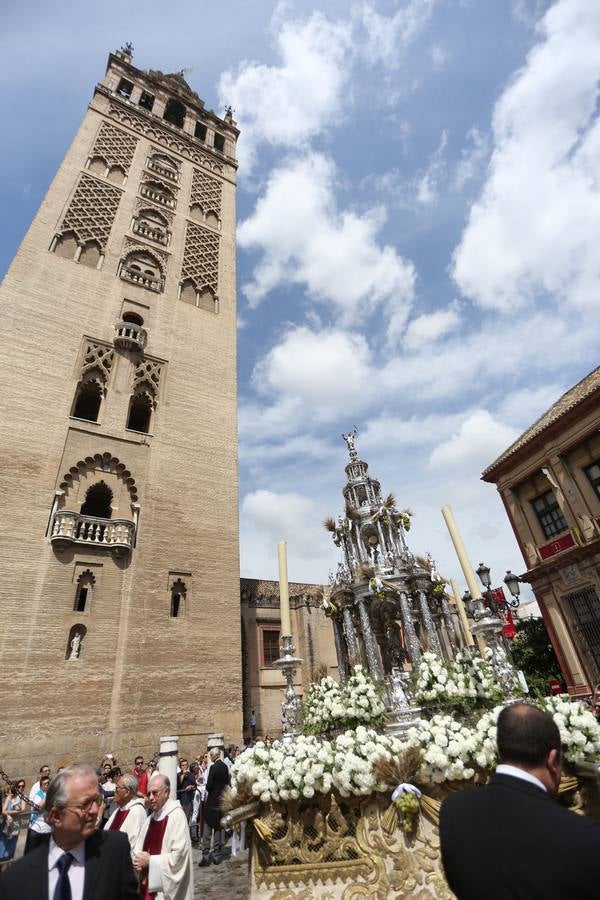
[98, 501]
[66, 245]
[178, 596]
[88, 398]
[90, 255]
[140, 413]
[142, 268]
[83, 591]
[175, 113]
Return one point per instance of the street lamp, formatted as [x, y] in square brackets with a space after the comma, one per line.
[512, 582]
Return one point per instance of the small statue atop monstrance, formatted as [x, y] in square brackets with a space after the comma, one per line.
[349, 438]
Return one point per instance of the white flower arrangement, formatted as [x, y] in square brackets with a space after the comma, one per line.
[579, 730]
[309, 765]
[330, 706]
[448, 749]
[467, 681]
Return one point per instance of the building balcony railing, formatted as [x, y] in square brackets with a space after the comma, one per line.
[115, 535]
[162, 170]
[157, 196]
[140, 278]
[129, 336]
[155, 234]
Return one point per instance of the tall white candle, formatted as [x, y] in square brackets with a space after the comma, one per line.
[462, 614]
[463, 559]
[284, 597]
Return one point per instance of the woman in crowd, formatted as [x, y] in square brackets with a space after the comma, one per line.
[37, 823]
[9, 834]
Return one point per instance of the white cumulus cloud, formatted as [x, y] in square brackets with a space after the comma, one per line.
[477, 442]
[320, 371]
[534, 230]
[430, 327]
[305, 239]
[289, 102]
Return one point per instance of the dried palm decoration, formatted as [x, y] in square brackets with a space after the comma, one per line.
[329, 524]
[402, 769]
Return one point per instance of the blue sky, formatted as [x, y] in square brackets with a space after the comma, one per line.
[418, 217]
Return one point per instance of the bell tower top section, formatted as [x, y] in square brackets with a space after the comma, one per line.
[167, 99]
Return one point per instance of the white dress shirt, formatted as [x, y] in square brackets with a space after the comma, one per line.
[76, 869]
[504, 769]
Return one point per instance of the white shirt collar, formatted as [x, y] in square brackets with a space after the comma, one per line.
[162, 812]
[504, 769]
[55, 852]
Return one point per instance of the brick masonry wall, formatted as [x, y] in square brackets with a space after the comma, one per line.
[141, 673]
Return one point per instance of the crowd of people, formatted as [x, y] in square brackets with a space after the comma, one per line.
[124, 832]
[137, 804]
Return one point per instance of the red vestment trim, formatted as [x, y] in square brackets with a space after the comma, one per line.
[153, 846]
[118, 820]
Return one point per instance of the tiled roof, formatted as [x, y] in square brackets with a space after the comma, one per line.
[271, 588]
[563, 405]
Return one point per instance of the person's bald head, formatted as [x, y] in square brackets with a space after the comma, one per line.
[159, 789]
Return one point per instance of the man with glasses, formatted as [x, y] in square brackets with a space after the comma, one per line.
[130, 814]
[163, 853]
[141, 774]
[75, 859]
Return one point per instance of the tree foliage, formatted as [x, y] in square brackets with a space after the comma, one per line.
[534, 654]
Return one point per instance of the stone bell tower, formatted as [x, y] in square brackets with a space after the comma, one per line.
[119, 570]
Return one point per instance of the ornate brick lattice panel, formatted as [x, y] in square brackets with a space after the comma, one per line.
[115, 146]
[92, 210]
[162, 137]
[97, 358]
[146, 378]
[201, 257]
[207, 192]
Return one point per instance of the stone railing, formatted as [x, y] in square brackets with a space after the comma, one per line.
[137, 277]
[70, 527]
[157, 196]
[154, 233]
[162, 170]
[130, 336]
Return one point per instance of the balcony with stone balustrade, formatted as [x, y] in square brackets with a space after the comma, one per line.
[136, 276]
[162, 170]
[152, 232]
[129, 336]
[151, 193]
[69, 528]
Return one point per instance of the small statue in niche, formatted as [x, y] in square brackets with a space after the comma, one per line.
[75, 646]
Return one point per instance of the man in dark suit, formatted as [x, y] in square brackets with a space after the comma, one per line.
[216, 782]
[76, 862]
[511, 840]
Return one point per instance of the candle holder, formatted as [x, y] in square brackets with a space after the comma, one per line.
[290, 707]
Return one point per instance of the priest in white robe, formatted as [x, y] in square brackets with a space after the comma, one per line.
[129, 815]
[163, 852]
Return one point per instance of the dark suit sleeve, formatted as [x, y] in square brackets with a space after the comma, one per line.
[211, 779]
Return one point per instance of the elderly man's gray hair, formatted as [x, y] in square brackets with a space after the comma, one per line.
[57, 795]
[130, 783]
[214, 753]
